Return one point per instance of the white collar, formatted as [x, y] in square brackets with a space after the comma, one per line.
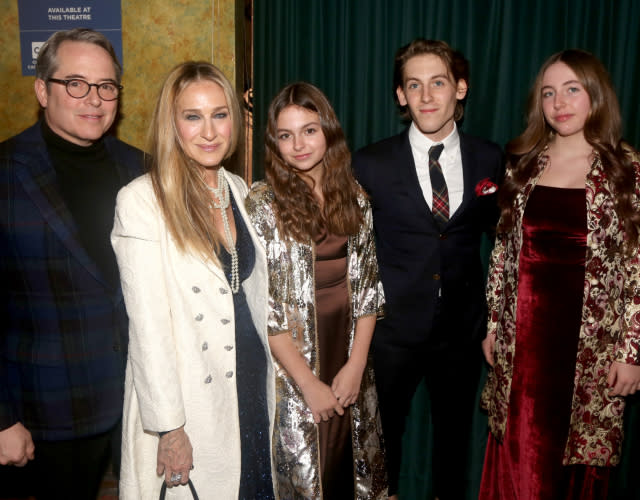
[421, 143]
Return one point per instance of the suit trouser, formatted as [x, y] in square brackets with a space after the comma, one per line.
[69, 470]
[451, 373]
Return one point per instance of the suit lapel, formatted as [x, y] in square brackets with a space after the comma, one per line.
[38, 178]
[468, 176]
[409, 177]
[124, 166]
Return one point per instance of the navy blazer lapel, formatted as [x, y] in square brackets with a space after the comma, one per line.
[125, 169]
[468, 175]
[38, 177]
[409, 175]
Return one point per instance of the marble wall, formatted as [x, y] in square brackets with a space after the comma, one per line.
[156, 35]
[18, 104]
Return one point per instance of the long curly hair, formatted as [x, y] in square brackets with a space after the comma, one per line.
[177, 181]
[298, 213]
[602, 130]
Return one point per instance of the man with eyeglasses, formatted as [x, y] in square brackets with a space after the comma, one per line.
[64, 326]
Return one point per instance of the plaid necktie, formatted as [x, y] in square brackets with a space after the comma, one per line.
[440, 205]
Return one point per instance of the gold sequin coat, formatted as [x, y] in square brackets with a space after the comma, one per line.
[292, 309]
[609, 331]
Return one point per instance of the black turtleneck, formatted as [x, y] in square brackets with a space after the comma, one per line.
[89, 182]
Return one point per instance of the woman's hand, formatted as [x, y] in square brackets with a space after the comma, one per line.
[175, 457]
[318, 395]
[346, 384]
[623, 379]
[489, 347]
[320, 400]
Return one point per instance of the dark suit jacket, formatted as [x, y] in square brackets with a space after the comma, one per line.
[64, 328]
[416, 258]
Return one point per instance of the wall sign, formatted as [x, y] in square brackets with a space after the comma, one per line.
[39, 19]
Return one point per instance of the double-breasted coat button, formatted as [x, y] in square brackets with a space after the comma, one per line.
[208, 379]
[229, 374]
[205, 346]
[224, 291]
[199, 317]
[195, 289]
[225, 321]
[436, 276]
[228, 347]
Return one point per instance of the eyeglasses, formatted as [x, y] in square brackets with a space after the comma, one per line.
[107, 91]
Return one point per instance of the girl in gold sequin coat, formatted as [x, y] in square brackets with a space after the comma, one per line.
[324, 298]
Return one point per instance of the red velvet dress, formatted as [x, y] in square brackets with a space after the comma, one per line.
[527, 465]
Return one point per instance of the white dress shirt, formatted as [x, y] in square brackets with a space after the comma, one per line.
[450, 161]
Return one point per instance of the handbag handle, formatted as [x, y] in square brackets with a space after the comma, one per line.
[163, 490]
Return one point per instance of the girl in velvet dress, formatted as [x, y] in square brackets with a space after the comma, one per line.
[563, 292]
[324, 298]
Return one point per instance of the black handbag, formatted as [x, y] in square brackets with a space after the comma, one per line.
[163, 490]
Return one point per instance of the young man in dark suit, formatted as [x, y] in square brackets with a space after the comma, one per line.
[433, 193]
[63, 337]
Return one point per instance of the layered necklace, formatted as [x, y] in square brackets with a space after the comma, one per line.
[221, 200]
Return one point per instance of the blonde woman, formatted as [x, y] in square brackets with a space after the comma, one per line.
[199, 396]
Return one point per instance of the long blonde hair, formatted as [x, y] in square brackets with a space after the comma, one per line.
[177, 180]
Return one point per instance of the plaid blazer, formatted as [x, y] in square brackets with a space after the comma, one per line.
[64, 328]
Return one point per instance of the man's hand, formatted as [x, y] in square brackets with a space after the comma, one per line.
[16, 446]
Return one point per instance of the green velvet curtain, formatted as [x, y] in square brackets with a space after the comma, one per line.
[346, 47]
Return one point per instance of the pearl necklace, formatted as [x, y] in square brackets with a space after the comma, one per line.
[222, 194]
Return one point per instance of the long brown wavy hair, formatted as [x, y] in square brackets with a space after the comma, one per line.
[298, 213]
[602, 130]
[178, 181]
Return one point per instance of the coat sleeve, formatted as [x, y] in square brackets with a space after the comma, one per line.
[369, 291]
[495, 284]
[495, 274]
[8, 411]
[628, 348]
[137, 241]
[260, 211]
[495, 299]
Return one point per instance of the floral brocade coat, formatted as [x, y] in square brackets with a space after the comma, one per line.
[610, 326]
[292, 309]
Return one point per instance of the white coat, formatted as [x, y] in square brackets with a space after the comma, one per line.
[181, 362]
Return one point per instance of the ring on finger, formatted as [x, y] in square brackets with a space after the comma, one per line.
[175, 478]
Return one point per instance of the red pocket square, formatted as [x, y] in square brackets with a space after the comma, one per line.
[485, 187]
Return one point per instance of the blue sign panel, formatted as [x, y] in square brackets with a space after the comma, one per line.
[39, 19]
